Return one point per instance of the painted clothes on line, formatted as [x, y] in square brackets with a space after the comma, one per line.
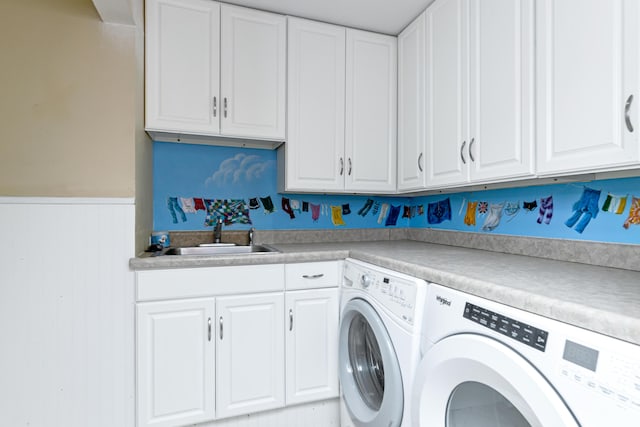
[614, 204]
[546, 210]
[584, 209]
[439, 211]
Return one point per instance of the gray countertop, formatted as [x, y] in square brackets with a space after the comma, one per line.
[601, 299]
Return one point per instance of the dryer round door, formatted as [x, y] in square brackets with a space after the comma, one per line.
[369, 369]
[470, 379]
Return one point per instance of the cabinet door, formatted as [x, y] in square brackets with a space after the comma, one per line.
[587, 52]
[182, 66]
[446, 105]
[501, 99]
[411, 98]
[250, 354]
[371, 112]
[312, 345]
[253, 72]
[175, 362]
[315, 136]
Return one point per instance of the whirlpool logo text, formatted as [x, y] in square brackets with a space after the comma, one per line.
[443, 301]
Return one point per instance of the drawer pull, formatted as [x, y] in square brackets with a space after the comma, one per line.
[209, 328]
[420, 162]
[471, 148]
[291, 319]
[221, 328]
[215, 106]
[464, 143]
[313, 276]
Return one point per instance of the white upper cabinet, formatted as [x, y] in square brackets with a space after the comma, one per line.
[214, 70]
[479, 91]
[411, 108]
[446, 104]
[182, 66]
[587, 85]
[253, 73]
[341, 110]
[316, 81]
[371, 112]
[501, 98]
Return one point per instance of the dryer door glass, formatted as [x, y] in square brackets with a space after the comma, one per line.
[366, 360]
[479, 405]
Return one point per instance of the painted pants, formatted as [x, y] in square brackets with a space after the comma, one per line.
[584, 209]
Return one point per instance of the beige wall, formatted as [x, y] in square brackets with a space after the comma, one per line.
[67, 101]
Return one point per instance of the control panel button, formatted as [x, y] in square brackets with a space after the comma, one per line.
[514, 329]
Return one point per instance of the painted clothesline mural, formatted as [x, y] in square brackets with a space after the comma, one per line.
[237, 211]
[195, 185]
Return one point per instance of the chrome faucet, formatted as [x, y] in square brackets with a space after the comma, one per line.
[217, 231]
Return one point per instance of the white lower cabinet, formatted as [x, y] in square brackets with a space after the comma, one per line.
[312, 345]
[219, 342]
[250, 356]
[175, 365]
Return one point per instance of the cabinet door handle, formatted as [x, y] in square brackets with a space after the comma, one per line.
[470, 149]
[209, 328]
[215, 106]
[313, 276]
[291, 319]
[349, 166]
[627, 107]
[221, 328]
[462, 152]
[225, 107]
[341, 166]
[420, 162]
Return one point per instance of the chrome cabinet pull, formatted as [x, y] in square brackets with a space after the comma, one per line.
[627, 107]
[341, 166]
[215, 106]
[209, 328]
[225, 107]
[221, 328]
[420, 162]
[312, 276]
[470, 151]
[349, 166]
[462, 152]
[291, 319]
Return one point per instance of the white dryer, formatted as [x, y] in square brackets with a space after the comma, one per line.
[379, 344]
[488, 364]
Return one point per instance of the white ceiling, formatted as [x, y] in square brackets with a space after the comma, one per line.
[382, 16]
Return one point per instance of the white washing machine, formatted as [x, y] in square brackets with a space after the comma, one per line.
[487, 364]
[379, 344]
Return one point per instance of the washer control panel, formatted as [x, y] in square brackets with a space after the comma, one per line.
[514, 329]
[396, 294]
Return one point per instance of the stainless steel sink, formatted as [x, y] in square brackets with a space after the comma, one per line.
[221, 250]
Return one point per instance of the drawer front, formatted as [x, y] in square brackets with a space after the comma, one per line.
[312, 275]
[209, 281]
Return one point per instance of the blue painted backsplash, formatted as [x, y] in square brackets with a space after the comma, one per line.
[196, 184]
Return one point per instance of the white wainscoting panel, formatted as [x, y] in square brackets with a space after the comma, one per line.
[66, 312]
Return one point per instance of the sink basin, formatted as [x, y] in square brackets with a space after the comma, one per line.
[220, 250]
